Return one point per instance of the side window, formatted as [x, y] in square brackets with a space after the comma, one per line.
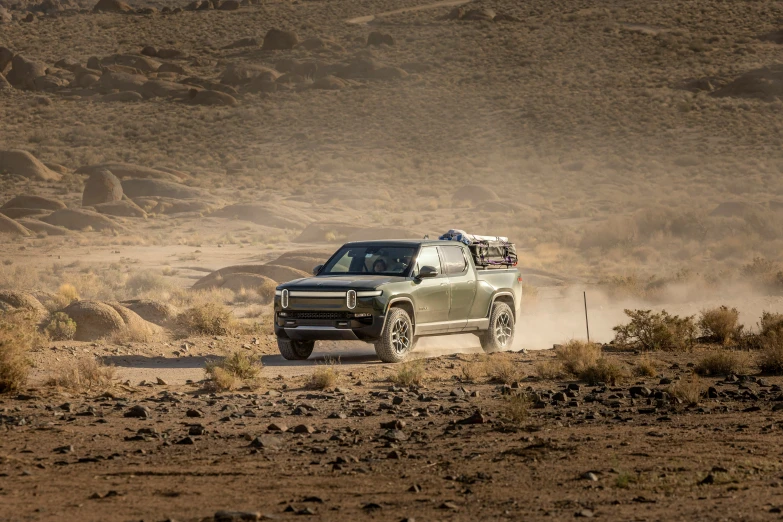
[428, 257]
[454, 260]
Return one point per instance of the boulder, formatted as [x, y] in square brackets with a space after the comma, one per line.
[279, 274]
[136, 188]
[160, 205]
[24, 72]
[155, 312]
[80, 219]
[266, 214]
[39, 227]
[49, 83]
[16, 213]
[473, 194]
[101, 187]
[765, 83]
[146, 64]
[125, 208]
[11, 227]
[22, 301]
[229, 5]
[243, 73]
[277, 40]
[94, 320]
[120, 81]
[125, 96]
[68, 63]
[111, 6]
[34, 202]
[164, 89]
[134, 323]
[377, 38]
[6, 57]
[208, 97]
[22, 163]
[129, 170]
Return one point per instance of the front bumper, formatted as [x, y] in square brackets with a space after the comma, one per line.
[343, 329]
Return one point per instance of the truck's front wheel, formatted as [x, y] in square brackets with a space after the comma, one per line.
[500, 334]
[295, 350]
[397, 339]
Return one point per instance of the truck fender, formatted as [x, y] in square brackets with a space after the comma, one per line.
[501, 294]
[397, 300]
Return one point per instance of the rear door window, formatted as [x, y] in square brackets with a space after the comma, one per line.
[454, 260]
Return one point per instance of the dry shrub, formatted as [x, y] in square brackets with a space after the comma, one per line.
[689, 392]
[206, 319]
[770, 358]
[18, 335]
[723, 362]
[60, 327]
[147, 281]
[648, 331]
[409, 373]
[549, 370]
[82, 375]
[603, 371]
[645, 367]
[471, 372]
[517, 408]
[771, 323]
[325, 375]
[720, 325]
[576, 356]
[238, 367]
[65, 295]
[500, 368]
[765, 274]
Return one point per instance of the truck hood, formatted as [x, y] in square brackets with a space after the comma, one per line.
[355, 282]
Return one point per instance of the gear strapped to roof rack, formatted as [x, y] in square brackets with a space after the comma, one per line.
[486, 250]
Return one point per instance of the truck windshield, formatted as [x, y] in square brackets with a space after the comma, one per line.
[381, 260]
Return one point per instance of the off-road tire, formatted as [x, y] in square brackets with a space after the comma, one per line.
[500, 334]
[397, 339]
[295, 350]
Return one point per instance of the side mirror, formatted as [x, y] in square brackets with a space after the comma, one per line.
[317, 269]
[427, 271]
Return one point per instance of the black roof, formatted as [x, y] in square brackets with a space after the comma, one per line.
[402, 242]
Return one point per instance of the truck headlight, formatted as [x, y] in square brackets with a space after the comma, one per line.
[369, 293]
[350, 299]
[284, 298]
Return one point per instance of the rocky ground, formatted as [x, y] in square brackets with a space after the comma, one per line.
[369, 449]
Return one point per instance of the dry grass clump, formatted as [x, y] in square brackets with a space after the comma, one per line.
[650, 332]
[18, 334]
[472, 371]
[549, 370]
[770, 358]
[720, 325]
[690, 392]
[225, 375]
[146, 281]
[603, 371]
[723, 362]
[325, 375]
[500, 368]
[645, 367]
[771, 323]
[60, 327]
[410, 373]
[576, 356]
[66, 294]
[206, 319]
[516, 408]
[82, 375]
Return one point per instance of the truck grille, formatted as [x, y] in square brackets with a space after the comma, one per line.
[329, 316]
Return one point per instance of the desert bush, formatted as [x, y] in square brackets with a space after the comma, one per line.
[409, 373]
[206, 319]
[471, 372]
[500, 368]
[689, 392]
[603, 371]
[764, 273]
[722, 362]
[146, 281]
[66, 294]
[325, 375]
[720, 325]
[576, 356]
[60, 327]
[18, 335]
[648, 331]
[226, 374]
[549, 370]
[770, 323]
[82, 375]
[645, 367]
[770, 358]
[516, 408]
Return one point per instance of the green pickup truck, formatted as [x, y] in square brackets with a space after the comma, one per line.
[390, 293]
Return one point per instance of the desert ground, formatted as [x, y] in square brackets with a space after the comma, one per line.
[165, 164]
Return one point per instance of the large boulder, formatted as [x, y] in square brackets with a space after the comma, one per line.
[101, 187]
[156, 312]
[213, 98]
[377, 38]
[6, 57]
[81, 219]
[265, 214]
[136, 188]
[135, 325]
[94, 320]
[279, 274]
[10, 227]
[24, 72]
[125, 208]
[13, 300]
[16, 213]
[129, 170]
[112, 6]
[22, 163]
[765, 83]
[473, 194]
[159, 205]
[34, 202]
[277, 40]
[39, 227]
[243, 73]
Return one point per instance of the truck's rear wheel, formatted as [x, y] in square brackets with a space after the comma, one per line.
[295, 350]
[501, 330]
[397, 339]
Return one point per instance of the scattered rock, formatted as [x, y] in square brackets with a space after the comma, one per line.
[34, 202]
[277, 40]
[765, 83]
[101, 187]
[24, 72]
[377, 39]
[81, 219]
[244, 73]
[22, 163]
[111, 6]
[138, 412]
